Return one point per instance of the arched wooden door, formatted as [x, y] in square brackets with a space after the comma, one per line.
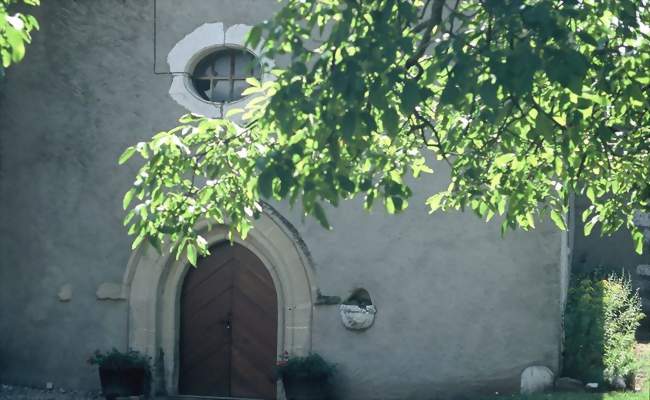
[228, 332]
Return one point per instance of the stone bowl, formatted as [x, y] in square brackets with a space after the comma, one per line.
[357, 318]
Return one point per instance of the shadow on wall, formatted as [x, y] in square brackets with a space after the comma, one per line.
[2, 361]
[602, 316]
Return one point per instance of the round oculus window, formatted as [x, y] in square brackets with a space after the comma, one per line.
[220, 77]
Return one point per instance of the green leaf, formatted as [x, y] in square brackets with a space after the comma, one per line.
[639, 241]
[520, 67]
[349, 124]
[191, 254]
[15, 40]
[488, 93]
[410, 96]
[501, 205]
[558, 219]
[503, 160]
[319, 213]
[234, 111]
[390, 205]
[544, 125]
[530, 219]
[254, 36]
[587, 38]
[253, 82]
[137, 240]
[398, 203]
[126, 155]
[451, 94]
[346, 183]
[589, 226]
[265, 183]
[129, 217]
[390, 120]
[567, 67]
[369, 200]
[604, 133]
[285, 182]
[591, 194]
[635, 92]
[128, 196]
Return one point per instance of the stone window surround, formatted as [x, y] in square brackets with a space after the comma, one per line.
[153, 282]
[186, 54]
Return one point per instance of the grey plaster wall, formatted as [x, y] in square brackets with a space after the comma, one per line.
[177, 18]
[84, 90]
[459, 309]
[615, 251]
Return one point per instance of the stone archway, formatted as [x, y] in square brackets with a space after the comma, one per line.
[153, 282]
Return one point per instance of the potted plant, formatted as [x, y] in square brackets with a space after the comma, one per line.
[306, 378]
[122, 373]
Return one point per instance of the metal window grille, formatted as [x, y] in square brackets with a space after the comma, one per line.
[221, 76]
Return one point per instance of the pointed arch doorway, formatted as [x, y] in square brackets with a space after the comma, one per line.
[228, 326]
[153, 284]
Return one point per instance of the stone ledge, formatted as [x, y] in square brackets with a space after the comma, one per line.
[110, 291]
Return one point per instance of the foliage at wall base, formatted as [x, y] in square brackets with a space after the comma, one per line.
[602, 315]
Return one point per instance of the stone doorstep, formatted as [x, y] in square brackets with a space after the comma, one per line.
[566, 384]
[190, 397]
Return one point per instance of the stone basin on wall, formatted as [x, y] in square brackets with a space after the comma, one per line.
[357, 318]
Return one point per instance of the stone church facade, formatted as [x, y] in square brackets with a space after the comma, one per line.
[456, 309]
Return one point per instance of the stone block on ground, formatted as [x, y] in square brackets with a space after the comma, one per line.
[619, 383]
[536, 379]
[566, 384]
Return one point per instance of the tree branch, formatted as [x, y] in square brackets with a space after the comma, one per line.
[434, 20]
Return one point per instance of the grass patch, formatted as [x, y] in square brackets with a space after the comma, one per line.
[643, 395]
[643, 357]
[642, 385]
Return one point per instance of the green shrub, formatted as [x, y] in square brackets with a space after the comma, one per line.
[116, 359]
[602, 315]
[311, 367]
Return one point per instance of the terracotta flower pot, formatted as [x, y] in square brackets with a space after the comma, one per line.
[122, 382]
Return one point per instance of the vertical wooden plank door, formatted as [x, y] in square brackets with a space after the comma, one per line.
[228, 332]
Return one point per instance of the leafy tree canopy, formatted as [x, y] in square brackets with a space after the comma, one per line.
[525, 101]
[15, 31]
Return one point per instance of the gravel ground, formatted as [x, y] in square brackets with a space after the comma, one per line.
[9, 392]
